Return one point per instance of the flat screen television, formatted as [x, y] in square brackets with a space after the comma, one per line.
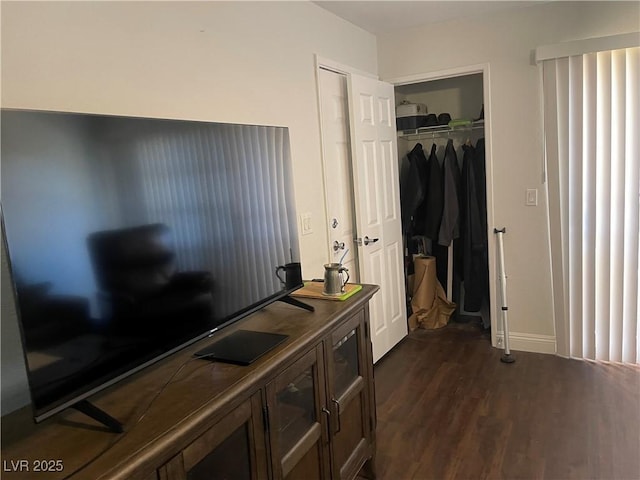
[130, 238]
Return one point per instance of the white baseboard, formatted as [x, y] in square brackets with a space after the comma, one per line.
[528, 342]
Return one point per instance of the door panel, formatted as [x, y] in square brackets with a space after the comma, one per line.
[366, 109]
[396, 307]
[391, 207]
[370, 179]
[377, 206]
[375, 272]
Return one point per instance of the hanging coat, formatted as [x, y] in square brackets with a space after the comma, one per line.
[411, 187]
[450, 224]
[474, 228]
[429, 213]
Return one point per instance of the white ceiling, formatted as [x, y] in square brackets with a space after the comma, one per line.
[385, 16]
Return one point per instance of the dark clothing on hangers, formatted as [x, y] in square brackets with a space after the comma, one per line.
[450, 224]
[474, 227]
[443, 202]
[429, 213]
[411, 185]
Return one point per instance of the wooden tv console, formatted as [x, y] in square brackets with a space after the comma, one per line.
[305, 410]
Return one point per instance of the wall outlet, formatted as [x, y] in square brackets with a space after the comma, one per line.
[532, 197]
[305, 223]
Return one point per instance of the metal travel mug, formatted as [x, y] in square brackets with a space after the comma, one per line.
[333, 279]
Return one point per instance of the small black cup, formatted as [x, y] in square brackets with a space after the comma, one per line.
[292, 274]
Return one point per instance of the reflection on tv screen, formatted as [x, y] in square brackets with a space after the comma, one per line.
[131, 237]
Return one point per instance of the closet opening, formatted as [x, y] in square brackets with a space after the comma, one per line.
[443, 190]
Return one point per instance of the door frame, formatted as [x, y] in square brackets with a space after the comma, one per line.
[481, 68]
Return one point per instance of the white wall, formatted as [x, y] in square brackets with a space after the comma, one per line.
[460, 97]
[506, 42]
[236, 62]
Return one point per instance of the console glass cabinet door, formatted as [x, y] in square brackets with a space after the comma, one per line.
[233, 449]
[299, 420]
[348, 395]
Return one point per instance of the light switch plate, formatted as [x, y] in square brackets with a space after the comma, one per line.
[532, 197]
[305, 223]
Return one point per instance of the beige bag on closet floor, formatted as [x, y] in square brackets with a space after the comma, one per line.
[429, 303]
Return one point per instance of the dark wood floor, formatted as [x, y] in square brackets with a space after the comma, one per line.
[448, 408]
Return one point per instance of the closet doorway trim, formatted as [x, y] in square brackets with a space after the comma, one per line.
[444, 74]
[328, 64]
[482, 68]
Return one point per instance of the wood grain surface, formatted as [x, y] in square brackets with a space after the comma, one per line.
[449, 409]
[315, 289]
[167, 405]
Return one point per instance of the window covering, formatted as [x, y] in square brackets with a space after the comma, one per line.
[591, 115]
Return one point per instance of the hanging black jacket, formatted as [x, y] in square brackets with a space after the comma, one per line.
[412, 186]
[474, 228]
[429, 213]
[450, 225]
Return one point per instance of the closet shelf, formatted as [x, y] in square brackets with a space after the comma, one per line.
[432, 132]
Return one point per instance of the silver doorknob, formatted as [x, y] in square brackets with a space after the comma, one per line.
[366, 241]
[338, 246]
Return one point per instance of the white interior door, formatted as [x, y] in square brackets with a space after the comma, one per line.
[377, 206]
[336, 154]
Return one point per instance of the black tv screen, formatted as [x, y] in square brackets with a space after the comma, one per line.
[129, 238]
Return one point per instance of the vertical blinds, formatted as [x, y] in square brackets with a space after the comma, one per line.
[591, 139]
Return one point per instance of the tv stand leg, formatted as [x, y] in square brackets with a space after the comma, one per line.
[101, 416]
[296, 303]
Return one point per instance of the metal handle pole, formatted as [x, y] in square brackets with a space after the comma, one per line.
[506, 357]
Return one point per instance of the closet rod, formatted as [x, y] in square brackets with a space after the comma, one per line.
[420, 134]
